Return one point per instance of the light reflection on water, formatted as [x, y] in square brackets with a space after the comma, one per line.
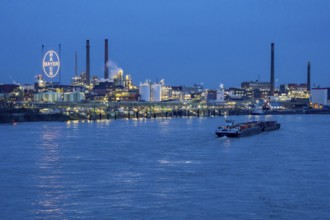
[51, 195]
[165, 168]
[227, 143]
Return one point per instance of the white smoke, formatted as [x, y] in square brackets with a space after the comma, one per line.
[113, 69]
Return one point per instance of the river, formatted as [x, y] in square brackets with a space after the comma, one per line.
[165, 169]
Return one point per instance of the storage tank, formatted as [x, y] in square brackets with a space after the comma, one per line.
[79, 96]
[66, 97]
[47, 97]
[53, 96]
[37, 97]
[156, 92]
[74, 97]
[144, 91]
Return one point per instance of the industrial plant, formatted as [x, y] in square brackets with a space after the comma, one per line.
[115, 95]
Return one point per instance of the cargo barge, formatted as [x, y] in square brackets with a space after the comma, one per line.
[232, 129]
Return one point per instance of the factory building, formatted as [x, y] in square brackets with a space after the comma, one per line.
[79, 80]
[216, 96]
[220, 94]
[255, 85]
[236, 94]
[125, 95]
[211, 95]
[285, 88]
[9, 92]
[28, 91]
[122, 81]
[177, 93]
[256, 89]
[320, 96]
[295, 91]
[103, 88]
[166, 93]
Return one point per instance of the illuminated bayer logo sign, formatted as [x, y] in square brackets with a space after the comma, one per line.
[51, 64]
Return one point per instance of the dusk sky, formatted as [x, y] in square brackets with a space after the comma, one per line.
[183, 42]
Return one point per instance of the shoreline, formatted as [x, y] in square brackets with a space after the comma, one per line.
[35, 115]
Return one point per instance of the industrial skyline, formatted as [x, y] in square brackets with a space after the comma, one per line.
[182, 42]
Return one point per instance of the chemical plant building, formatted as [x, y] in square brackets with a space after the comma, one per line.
[254, 90]
[119, 87]
[115, 88]
[9, 92]
[320, 97]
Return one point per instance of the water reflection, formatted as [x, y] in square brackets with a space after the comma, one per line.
[164, 127]
[227, 144]
[50, 189]
[73, 124]
[176, 162]
[49, 146]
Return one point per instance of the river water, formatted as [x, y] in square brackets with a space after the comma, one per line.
[165, 169]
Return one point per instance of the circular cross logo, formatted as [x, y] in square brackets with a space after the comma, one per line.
[51, 64]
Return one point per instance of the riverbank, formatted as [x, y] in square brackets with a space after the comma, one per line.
[36, 114]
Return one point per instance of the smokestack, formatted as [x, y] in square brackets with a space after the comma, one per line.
[272, 80]
[106, 59]
[75, 64]
[309, 76]
[88, 79]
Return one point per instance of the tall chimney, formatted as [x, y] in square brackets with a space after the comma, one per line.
[75, 64]
[106, 59]
[272, 80]
[309, 76]
[88, 79]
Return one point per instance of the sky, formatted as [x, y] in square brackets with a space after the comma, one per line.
[181, 41]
